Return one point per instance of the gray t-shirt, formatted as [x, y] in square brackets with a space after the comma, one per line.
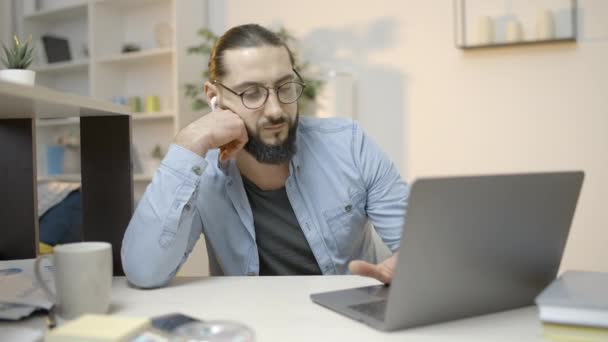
[282, 246]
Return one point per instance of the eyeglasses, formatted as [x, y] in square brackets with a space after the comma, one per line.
[256, 96]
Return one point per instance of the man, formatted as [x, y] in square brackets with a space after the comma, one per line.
[274, 193]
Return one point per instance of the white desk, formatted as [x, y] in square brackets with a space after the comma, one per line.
[279, 309]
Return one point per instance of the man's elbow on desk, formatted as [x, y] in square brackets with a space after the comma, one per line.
[145, 275]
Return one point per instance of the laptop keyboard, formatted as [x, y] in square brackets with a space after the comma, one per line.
[375, 309]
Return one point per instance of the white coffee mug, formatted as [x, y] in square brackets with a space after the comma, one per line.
[83, 278]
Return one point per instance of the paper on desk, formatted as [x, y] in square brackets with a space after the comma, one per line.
[20, 293]
[20, 334]
[14, 312]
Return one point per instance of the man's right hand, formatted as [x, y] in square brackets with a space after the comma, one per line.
[218, 129]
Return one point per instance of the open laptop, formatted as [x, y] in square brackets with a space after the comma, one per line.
[470, 246]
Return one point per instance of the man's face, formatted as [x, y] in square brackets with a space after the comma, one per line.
[271, 128]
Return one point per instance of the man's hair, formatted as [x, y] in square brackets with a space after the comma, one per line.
[243, 36]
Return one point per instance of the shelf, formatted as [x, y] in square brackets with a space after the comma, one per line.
[57, 122]
[75, 177]
[152, 116]
[135, 116]
[521, 43]
[127, 4]
[75, 65]
[59, 13]
[149, 55]
[68, 177]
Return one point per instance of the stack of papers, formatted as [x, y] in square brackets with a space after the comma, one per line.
[20, 293]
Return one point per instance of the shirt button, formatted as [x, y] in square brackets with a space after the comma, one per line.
[348, 208]
[197, 170]
[187, 207]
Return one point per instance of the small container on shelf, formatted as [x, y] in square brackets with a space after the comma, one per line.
[485, 30]
[545, 25]
[54, 159]
[514, 32]
[152, 104]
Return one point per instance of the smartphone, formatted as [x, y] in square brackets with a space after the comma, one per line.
[170, 322]
[163, 327]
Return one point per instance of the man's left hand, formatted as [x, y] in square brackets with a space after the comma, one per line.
[383, 271]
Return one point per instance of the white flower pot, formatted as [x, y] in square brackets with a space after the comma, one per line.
[21, 76]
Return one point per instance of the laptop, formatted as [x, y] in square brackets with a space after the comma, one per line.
[470, 246]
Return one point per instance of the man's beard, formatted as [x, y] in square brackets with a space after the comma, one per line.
[273, 154]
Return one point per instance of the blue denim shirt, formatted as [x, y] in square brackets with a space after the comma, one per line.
[338, 180]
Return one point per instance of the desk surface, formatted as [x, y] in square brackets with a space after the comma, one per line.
[279, 309]
[26, 102]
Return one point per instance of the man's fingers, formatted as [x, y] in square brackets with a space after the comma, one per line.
[363, 268]
[229, 150]
[366, 269]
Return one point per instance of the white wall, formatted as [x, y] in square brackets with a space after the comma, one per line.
[437, 110]
[5, 22]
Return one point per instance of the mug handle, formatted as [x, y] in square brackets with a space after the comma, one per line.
[52, 297]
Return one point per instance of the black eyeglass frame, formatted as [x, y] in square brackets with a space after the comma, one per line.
[267, 90]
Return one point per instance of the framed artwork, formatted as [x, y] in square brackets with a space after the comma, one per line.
[493, 23]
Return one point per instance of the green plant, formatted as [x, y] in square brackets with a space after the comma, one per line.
[157, 152]
[209, 38]
[19, 56]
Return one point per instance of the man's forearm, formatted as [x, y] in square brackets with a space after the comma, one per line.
[165, 225]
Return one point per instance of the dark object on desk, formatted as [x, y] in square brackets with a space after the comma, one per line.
[170, 322]
[474, 246]
[130, 48]
[57, 49]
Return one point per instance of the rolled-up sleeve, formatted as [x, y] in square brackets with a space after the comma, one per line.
[387, 193]
[166, 223]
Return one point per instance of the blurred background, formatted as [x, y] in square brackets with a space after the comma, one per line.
[444, 87]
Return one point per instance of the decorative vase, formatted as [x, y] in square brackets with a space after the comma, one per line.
[152, 104]
[163, 34]
[54, 159]
[337, 98]
[514, 31]
[20, 76]
[485, 31]
[545, 25]
[71, 160]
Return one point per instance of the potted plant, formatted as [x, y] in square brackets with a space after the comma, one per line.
[313, 85]
[156, 157]
[17, 59]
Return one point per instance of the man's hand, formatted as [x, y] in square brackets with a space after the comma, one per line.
[384, 271]
[220, 128]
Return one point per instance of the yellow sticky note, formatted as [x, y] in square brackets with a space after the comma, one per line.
[98, 328]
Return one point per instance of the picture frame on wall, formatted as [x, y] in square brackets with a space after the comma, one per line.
[497, 23]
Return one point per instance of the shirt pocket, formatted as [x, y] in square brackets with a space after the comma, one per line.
[346, 222]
